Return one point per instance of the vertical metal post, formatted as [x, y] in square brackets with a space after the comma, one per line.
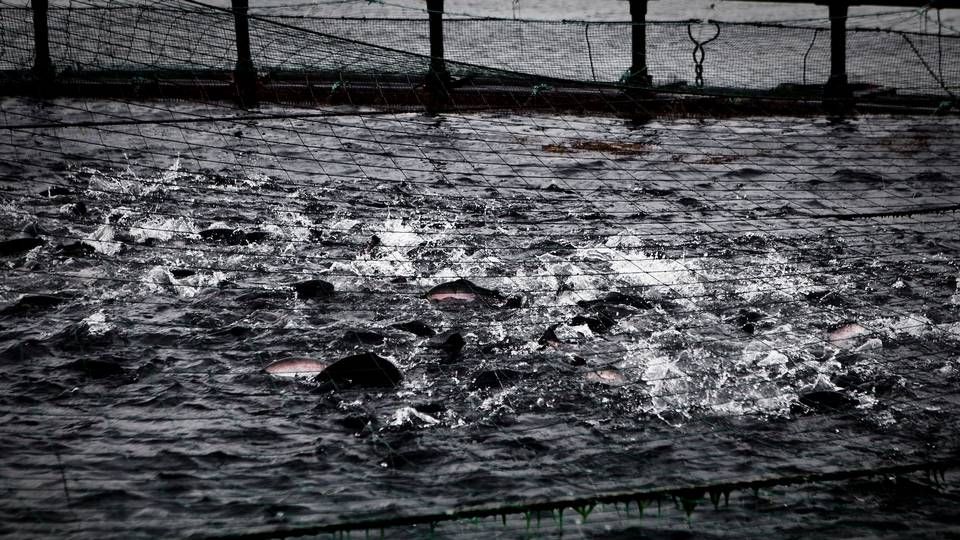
[245, 76]
[639, 75]
[836, 87]
[438, 69]
[42, 67]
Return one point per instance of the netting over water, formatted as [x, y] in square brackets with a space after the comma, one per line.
[680, 303]
[656, 311]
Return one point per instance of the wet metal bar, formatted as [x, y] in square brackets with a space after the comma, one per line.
[42, 68]
[245, 76]
[638, 67]
[438, 69]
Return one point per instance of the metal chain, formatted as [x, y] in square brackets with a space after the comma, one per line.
[698, 51]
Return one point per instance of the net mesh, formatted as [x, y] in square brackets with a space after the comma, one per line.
[184, 36]
[665, 312]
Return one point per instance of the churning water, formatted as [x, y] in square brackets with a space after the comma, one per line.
[681, 301]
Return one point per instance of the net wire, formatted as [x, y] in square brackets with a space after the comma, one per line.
[168, 239]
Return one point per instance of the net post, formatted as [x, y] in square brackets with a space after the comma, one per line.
[639, 76]
[437, 77]
[836, 90]
[42, 67]
[244, 74]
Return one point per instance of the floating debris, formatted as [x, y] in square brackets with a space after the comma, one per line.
[619, 148]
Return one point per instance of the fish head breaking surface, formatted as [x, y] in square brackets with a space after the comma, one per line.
[296, 368]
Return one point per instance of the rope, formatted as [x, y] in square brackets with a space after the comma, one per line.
[586, 36]
[807, 53]
[929, 69]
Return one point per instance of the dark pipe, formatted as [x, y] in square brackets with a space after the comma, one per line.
[836, 87]
[438, 68]
[638, 68]
[245, 75]
[42, 67]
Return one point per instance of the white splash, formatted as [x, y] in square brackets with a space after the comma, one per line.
[399, 233]
[163, 229]
[573, 333]
[103, 241]
[634, 268]
[408, 416]
[294, 225]
[97, 324]
[160, 280]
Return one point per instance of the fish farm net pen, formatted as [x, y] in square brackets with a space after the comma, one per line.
[270, 272]
[582, 505]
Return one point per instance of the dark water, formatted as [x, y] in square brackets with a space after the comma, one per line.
[762, 328]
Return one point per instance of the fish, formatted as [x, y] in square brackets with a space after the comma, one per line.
[16, 246]
[357, 336]
[449, 343]
[296, 368]
[824, 401]
[549, 337]
[312, 288]
[365, 370]
[359, 370]
[224, 235]
[497, 379]
[461, 291]
[252, 237]
[97, 368]
[416, 327]
[608, 377]
[29, 303]
[844, 335]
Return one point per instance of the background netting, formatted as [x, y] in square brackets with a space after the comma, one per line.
[184, 36]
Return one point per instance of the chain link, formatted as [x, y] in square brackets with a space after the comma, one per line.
[698, 51]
